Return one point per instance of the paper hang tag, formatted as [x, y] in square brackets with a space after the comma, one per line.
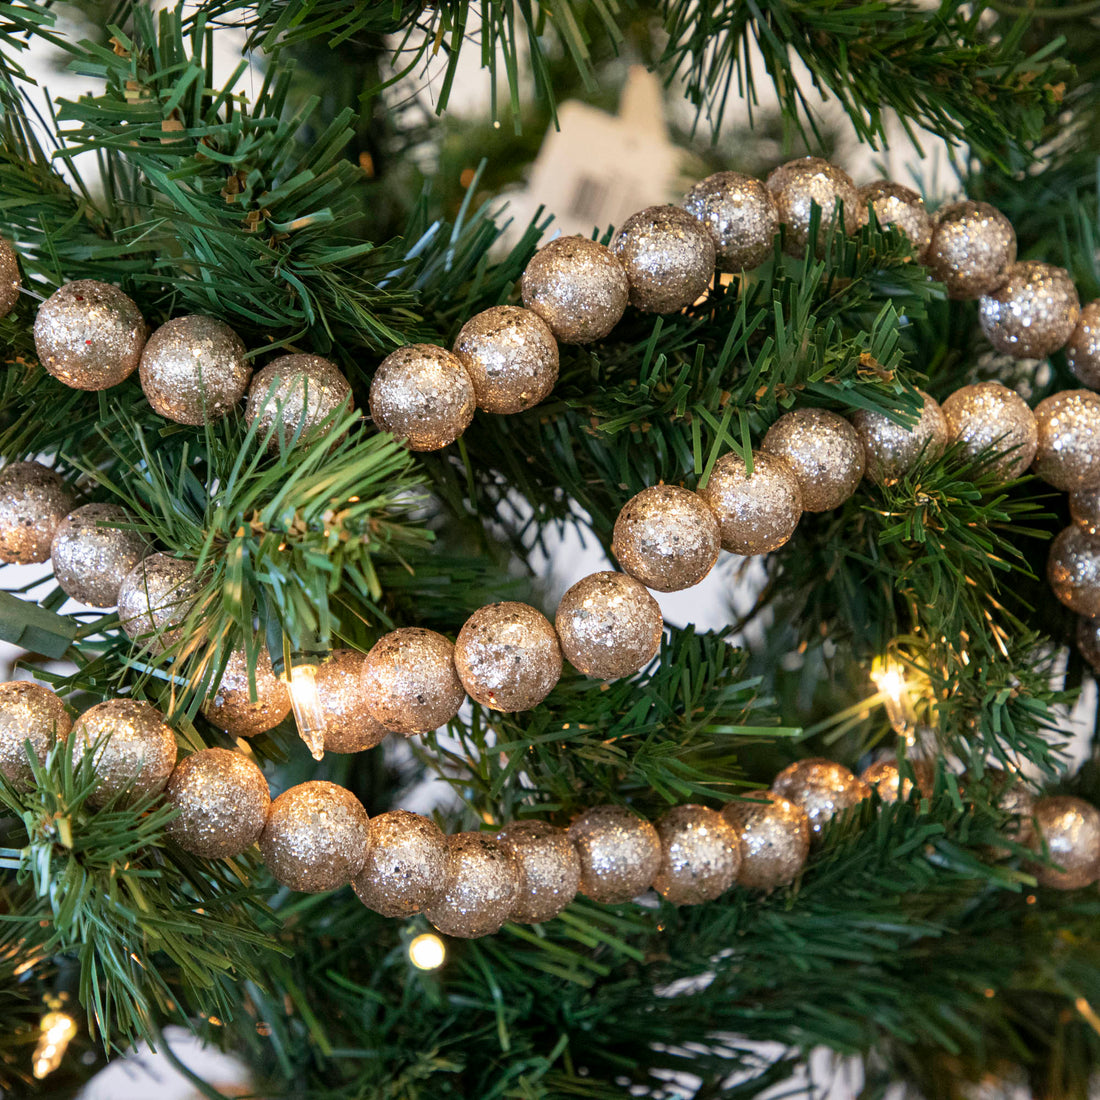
[600, 168]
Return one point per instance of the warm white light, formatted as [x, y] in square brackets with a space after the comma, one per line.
[306, 703]
[58, 1028]
[427, 951]
[897, 697]
[890, 682]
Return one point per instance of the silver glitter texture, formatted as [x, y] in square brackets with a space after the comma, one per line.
[1084, 507]
[989, 416]
[28, 712]
[668, 257]
[508, 657]
[89, 335]
[824, 452]
[775, 839]
[885, 777]
[890, 450]
[972, 245]
[349, 726]
[511, 357]
[223, 801]
[578, 287]
[740, 215]
[1032, 311]
[1073, 570]
[154, 598]
[797, 185]
[10, 279]
[296, 393]
[700, 855]
[1069, 830]
[755, 514]
[1068, 452]
[609, 625]
[620, 853]
[409, 681]
[92, 552]
[667, 538]
[315, 838]
[33, 503]
[423, 396]
[479, 889]
[821, 788]
[1088, 641]
[406, 864]
[231, 708]
[548, 867]
[899, 207]
[193, 369]
[132, 743]
[1083, 347]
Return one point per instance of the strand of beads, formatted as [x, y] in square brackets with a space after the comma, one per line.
[317, 836]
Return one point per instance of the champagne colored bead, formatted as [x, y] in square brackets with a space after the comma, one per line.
[1067, 455]
[989, 417]
[800, 184]
[620, 853]
[740, 215]
[93, 551]
[33, 504]
[1088, 641]
[755, 514]
[28, 712]
[1073, 570]
[548, 867]
[775, 839]
[154, 599]
[348, 723]
[479, 888]
[886, 778]
[1032, 311]
[1084, 507]
[824, 452]
[231, 707]
[900, 208]
[1068, 830]
[972, 245]
[1083, 348]
[406, 864]
[10, 279]
[296, 397]
[891, 450]
[700, 855]
[822, 788]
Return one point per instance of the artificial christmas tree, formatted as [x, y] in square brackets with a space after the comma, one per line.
[303, 429]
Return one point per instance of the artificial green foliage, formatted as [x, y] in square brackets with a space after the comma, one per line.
[295, 200]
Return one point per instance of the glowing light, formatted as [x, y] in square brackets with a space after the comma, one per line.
[897, 697]
[58, 1028]
[427, 952]
[306, 704]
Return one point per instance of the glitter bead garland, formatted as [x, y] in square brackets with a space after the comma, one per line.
[10, 279]
[28, 712]
[33, 504]
[93, 551]
[293, 397]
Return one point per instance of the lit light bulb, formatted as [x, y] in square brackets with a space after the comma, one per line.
[58, 1028]
[308, 712]
[427, 952]
[897, 697]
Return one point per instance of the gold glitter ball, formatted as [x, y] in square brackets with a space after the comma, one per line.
[1073, 570]
[92, 551]
[1088, 641]
[33, 504]
[28, 712]
[989, 417]
[885, 777]
[1083, 347]
[548, 868]
[511, 357]
[668, 257]
[409, 681]
[900, 208]
[479, 888]
[972, 245]
[223, 801]
[193, 369]
[1068, 452]
[315, 838]
[823, 450]
[740, 215]
[10, 279]
[799, 184]
[891, 450]
[423, 396]
[406, 864]
[1084, 507]
[349, 726]
[775, 839]
[1013, 797]
[578, 287]
[620, 853]
[296, 397]
[231, 708]
[609, 625]
[1067, 829]
[700, 855]
[667, 538]
[154, 599]
[1032, 311]
[755, 514]
[132, 744]
[508, 657]
[822, 788]
[89, 335]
